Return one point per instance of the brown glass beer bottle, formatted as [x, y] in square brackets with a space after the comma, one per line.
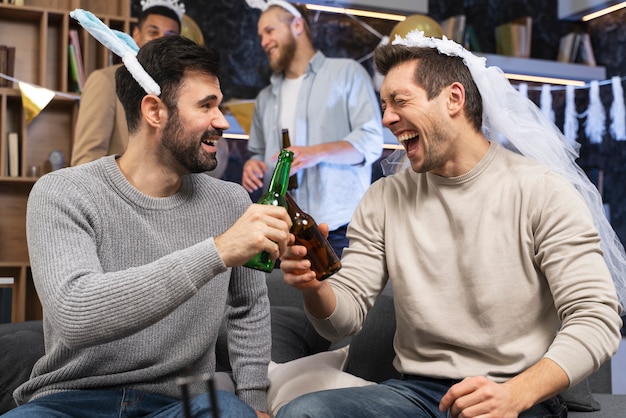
[324, 260]
[293, 180]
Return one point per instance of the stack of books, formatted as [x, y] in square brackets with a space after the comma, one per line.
[13, 155]
[7, 64]
[77, 69]
[576, 47]
[514, 38]
[454, 28]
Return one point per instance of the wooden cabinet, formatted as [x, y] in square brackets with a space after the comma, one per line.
[39, 31]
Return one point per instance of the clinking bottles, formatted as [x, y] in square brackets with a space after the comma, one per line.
[274, 196]
[324, 260]
[293, 180]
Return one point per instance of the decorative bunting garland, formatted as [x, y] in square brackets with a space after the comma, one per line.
[596, 118]
[35, 98]
[570, 124]
[546, 102]
[595, 115]
[618, 114]
[523, 88]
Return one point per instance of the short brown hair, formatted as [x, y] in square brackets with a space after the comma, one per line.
[434, 72]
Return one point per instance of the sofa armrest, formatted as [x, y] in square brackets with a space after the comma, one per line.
[21, 345]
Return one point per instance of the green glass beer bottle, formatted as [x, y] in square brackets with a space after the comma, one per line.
[324, 260]
[274, 196]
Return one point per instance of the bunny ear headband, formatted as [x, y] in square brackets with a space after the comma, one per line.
[263, 6]
[121, 44]
[514, 121]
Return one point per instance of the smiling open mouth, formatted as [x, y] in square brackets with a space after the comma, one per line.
[409, 141]
[407, 136]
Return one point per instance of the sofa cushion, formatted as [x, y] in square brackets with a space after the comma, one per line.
[21, 345]
[280, 293]
[308, 374]
[371, 351]
[579, 398]
[293, 336]
[612, 406]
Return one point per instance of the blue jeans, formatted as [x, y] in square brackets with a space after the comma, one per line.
[128, 403]
[337, 239]
[411, 398]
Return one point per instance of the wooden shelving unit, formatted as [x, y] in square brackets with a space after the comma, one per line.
[39, 31]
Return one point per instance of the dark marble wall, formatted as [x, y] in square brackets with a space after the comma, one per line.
[230, 26]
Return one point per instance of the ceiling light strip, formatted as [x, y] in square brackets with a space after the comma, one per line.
[355, 12]
[228, 135]
[548, 80]
[603, 12]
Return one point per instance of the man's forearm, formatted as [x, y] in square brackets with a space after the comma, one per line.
[538, 383]
[339, 152]
[320, 302]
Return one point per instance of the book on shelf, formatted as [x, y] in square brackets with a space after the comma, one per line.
[13, 147]
[74, 80]
[7, 64]
[568, 45]
[80, 68]
[576, 47]
[514, 38]
[471, 40]
[454, 28]
[585, 51]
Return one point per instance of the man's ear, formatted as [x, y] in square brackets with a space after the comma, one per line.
[153, 110]
[297, 26]
[136, 34]
[456, 98]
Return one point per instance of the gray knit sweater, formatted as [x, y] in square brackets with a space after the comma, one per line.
[133, 289]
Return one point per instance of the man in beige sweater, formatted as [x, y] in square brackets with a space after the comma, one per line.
[503, 297]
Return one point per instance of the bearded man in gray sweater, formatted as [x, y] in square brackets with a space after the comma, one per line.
[136, 257]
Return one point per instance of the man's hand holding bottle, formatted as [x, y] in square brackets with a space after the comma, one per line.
[260, 228]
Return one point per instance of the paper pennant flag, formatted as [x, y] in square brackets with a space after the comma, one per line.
[34, 99]
[242, 110]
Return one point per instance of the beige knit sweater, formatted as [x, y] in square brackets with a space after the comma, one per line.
[491, 271]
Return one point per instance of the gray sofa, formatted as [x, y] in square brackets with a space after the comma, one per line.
[369, 353]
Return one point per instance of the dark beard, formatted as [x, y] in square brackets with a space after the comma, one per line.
[287, 52]
[186, 149]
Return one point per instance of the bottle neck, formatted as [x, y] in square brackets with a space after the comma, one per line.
[286, 141]
[280, 179]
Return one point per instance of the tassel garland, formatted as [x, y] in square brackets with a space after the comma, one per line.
[570, 124]
[523, 89]
[596, 117]
[618, 115]
[546, 102]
